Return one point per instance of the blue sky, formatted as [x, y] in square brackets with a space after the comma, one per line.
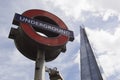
[101, 19]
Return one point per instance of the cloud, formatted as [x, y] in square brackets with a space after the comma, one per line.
[106, 4]
[77, 58]
[15, 66]
[75, 8]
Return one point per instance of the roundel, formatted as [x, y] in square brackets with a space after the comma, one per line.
[52, 39]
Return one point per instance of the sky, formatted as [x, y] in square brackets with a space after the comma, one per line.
[101, 19]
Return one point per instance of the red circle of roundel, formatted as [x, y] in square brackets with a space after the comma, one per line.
[55, 41]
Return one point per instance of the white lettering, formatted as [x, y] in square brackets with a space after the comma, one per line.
[44, 25]
[32, 22]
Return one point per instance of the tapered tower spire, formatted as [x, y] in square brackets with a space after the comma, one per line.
[89, 67]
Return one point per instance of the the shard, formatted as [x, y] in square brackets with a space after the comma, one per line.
[89, 67]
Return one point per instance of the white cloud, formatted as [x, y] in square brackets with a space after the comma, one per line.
[76, 7]
[77, 58]
[15, 66]
[16, 58]
[106, 4]
[108, 13]
[77, 38]
[73, 8]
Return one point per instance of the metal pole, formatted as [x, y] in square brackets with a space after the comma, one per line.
[39, 66]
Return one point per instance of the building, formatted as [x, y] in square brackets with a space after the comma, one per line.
[89, 67]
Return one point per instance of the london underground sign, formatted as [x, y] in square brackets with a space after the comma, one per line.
[44, 25]
[27, 39]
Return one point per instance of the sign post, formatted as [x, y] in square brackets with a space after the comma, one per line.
[40, 66]
[35, 46]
